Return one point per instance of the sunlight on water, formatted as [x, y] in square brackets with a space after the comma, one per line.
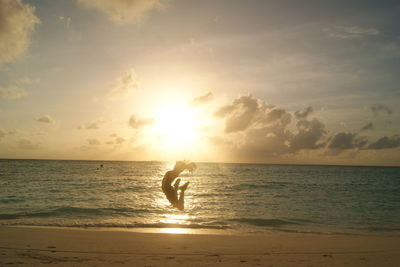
[220, 196]
[175, 218]
[174, 230]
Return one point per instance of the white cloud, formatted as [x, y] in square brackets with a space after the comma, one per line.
[126, 83]
[119, 140]
[27, 144]
[136, 123]
[66, 21]
[124, 11]
[351, 32]
[4, 133]
[12, 92]
[15, 91]
[93, 142]
[17, 23]
[92, 125]
[46, 119]
[203, 98]
[27, 81]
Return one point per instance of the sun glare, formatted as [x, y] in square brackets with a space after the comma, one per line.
[175, 126]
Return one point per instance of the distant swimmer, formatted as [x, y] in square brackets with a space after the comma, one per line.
[171, 192]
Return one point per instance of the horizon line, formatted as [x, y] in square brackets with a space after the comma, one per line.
[208, 162]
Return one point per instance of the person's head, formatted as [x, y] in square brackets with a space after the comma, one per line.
[180, 166]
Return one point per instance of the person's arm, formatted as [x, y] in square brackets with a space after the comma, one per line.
[169, 177]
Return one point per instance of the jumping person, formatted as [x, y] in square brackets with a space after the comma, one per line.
[171, 192]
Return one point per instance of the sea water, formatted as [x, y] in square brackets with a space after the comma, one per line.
[249, 198]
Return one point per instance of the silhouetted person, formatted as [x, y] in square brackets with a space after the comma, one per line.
[171, 192]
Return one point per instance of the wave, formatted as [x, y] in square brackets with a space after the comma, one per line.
[11, 200]
[265, 222]
[122, 225]
[384, 229]
[272, 185]
[73, 211]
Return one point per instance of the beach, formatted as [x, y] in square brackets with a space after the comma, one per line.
[34, 246]
[235, 215]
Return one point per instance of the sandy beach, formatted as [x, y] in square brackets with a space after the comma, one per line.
[24, 246]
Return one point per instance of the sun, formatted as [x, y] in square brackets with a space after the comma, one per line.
[175, 126]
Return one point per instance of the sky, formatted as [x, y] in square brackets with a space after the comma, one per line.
[281, 82]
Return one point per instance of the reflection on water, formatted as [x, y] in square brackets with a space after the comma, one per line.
[241, 197]
[175, 219]
[175, 230]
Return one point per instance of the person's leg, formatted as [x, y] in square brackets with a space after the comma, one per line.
[180, 204]
[176, 187]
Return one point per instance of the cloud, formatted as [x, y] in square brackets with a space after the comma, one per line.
[277, 114]
[386, 142]
[379, 108]
[259, 143]
[46, 119]
[12, 92]
[367, 127]
[27, 81]
[247, 111]
[124, 11]
[309, 135]
[126, 83]
[27, 144]
[66, 21]
[92, 125]
[138, 123]
[224, 111]
[351, 32]
[303, 114]
[257, 131]
[15, 91]
[345, 141]
[4, 133]
[240, 114]
[17, 23]
[203, 98]
[93, 142]
[262, 130]
[117, 139]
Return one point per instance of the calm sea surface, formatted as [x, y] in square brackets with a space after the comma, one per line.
[240, 197]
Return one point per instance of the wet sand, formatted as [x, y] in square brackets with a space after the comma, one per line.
[24, 246]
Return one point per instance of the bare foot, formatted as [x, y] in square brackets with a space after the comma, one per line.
[184, 186]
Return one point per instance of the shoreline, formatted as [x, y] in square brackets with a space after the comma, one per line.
[317, 231]
[37, 246]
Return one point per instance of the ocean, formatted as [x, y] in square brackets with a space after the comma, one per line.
[244, 198]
